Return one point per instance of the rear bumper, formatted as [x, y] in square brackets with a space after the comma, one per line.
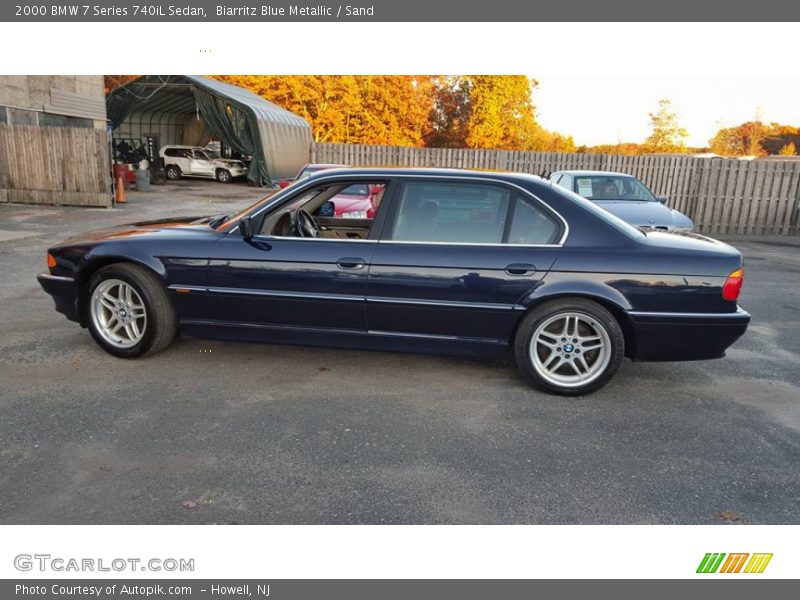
[64, 292]
[686, 336]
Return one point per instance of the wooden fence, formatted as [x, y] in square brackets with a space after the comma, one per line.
[738, 197]
[54, 165]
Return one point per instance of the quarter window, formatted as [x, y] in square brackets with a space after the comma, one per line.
[532, 225]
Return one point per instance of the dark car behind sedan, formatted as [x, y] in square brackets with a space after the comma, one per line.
[453, 261]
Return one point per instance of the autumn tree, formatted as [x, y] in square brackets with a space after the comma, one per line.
[502, 111]
[112, 81]
[742, 140]
[667, 136]
[489, 111]
[755, 138]
[788, 150]
[450, 112]
[368, 109]
[779, 136]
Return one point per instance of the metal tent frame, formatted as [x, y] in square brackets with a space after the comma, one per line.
[279, 141]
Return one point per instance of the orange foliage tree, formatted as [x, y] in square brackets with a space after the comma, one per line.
[357, 109]
[754, 138]
[112, 81]
[503, 116]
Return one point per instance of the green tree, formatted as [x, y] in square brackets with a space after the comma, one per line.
[667, 136]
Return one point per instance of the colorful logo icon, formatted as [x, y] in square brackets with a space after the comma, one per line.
[734, 563]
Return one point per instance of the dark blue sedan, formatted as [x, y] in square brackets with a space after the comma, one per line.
[454, 262]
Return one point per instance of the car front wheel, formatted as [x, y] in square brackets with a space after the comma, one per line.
[569, 347]
[223, 175]
[173, 172]
[129, 313]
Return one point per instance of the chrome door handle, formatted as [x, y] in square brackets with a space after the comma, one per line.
[520, 269]
[350, 263]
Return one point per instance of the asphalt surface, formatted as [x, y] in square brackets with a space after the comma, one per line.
[245, 433]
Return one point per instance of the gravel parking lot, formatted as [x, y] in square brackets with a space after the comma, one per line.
[244, 433]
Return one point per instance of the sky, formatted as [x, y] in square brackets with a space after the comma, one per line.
[612, 108]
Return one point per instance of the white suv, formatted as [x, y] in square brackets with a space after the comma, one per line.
[193, 161]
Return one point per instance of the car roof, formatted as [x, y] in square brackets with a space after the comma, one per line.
[516, 178]
[325, 165]
[430, 172]
[590, 173]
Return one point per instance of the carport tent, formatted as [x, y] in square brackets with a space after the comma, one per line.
[279, 141]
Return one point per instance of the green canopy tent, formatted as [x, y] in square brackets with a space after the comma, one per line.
[185, 109]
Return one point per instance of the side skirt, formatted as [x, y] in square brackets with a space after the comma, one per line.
[346, 338]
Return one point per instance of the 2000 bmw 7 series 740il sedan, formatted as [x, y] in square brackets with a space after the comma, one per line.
[457, 262]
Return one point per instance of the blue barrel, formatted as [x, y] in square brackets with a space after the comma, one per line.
[143, 180]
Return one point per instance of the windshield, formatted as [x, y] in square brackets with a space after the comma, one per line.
[613, 187]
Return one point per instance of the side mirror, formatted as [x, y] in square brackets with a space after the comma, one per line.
[662, 199]
[327, 210]
[246, 228]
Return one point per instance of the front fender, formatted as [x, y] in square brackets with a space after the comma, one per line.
[106, 254]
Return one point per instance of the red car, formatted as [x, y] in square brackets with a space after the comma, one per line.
[357, 201]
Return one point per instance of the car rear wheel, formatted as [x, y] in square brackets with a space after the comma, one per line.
[223, 175]
[572, 346]
[173, 172]
[129, 313]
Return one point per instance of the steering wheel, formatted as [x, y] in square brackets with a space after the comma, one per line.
[305, 225]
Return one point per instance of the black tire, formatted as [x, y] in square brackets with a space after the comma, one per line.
[173, 172]
[598, 317]
[161, 324]
[224, 176]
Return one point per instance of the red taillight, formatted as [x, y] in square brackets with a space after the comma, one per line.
[51, 260]
[733, 285]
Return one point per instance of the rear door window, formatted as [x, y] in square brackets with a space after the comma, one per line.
[451, 213]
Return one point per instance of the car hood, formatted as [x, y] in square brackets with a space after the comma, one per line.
[645, 214]
[172, 226]
[227, 162]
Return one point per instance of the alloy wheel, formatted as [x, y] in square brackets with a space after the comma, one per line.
[118, 313]
[570, 349]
